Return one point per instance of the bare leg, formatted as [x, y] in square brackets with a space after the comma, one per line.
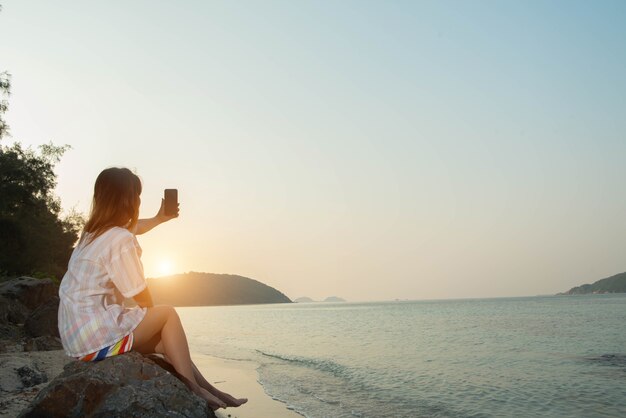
[229, 399]
[163, 324]
[214, 402]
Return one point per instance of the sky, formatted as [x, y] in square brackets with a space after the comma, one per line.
[371, 150]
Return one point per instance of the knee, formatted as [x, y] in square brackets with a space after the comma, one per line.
[164, 313]
[170, 312]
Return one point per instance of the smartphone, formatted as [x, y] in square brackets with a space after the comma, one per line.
[171, 201]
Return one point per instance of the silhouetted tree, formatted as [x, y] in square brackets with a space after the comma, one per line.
[5, 88]
[34, 239]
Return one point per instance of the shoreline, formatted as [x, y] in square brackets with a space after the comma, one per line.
[240, 378]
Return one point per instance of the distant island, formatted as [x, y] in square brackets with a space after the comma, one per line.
[210, 289]
[306, 299]
[613, 284]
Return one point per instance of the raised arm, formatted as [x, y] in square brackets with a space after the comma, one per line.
[144, 225]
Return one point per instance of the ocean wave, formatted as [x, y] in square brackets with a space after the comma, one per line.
[328, 366]
[616, 362]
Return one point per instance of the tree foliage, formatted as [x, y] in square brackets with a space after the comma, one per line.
[5, 88]
[34, 238]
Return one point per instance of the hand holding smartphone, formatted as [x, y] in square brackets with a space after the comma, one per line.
[171, 202]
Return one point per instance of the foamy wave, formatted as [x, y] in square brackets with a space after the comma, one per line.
[318, 364]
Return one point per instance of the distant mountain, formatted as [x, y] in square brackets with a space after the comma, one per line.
[613, 284]
[305, 299]
[207, 289]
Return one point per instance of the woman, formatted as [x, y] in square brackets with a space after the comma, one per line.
[105, 268]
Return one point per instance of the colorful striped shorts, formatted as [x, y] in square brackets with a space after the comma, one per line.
[122, 346]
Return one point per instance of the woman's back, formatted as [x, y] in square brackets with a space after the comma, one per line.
[91, 311]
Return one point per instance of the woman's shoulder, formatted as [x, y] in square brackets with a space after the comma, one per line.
[112, 237]
[106, 247]
[119, 236]
[119, 231]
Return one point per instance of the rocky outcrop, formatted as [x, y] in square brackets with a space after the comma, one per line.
[28, 334]
[12, 311]
[44, 320]
[128, 385]
[29, 291]
[28, 315]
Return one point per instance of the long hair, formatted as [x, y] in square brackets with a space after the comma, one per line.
[115, 202]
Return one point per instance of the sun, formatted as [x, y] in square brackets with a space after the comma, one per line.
[166, 268]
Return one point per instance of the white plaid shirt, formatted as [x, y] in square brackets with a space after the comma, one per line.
[99, 276]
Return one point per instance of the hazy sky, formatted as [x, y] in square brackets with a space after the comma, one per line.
[369, 149]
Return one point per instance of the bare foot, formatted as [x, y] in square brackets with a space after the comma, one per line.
[229, 399]
[232, 401]
[213, 401]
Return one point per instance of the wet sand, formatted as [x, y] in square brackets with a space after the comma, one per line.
[240, 379]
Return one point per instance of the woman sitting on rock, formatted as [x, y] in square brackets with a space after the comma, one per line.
[105, 268]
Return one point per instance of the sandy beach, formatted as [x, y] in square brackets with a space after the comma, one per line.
[240, 378]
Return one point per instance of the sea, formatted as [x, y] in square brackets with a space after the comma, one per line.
[550, 356]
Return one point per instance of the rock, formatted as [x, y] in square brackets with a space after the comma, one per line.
[29, 291]
[48, 363]
[8, 331]
[10, 346]
[43, 343]
[128, 385]
[12, 311]
[31, 376]
[11, 338]
[19, 373]
[44, 319]
[29, 307]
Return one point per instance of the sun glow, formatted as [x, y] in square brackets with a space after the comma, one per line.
[166, 267]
